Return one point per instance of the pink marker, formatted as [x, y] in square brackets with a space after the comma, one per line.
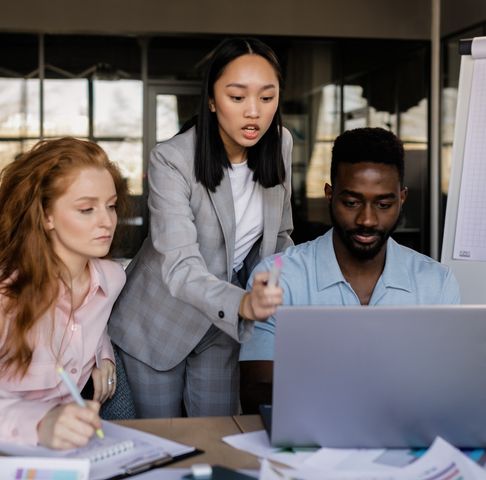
[275, 271]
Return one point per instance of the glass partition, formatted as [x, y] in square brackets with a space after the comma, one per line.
[117, 126]
[172, 111]
[93, 89]
[128, 155]
[66, 107]
[355, 109]
[19, 107]
[117, 106]
[19, 95]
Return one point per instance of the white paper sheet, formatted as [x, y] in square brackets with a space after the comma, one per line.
[441, 462]
[257, 444]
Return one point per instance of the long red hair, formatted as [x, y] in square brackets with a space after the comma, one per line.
[30, 270]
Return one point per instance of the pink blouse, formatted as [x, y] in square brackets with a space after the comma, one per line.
[24, 402]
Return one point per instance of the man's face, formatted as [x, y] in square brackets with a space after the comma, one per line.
[365, 204]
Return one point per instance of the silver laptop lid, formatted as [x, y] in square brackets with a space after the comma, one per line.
[380, 376]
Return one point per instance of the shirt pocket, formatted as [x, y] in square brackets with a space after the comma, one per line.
[39, 382]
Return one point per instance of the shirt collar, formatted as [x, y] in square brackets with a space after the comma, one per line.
[98, 277]
[328, 272]
[395, 274]
[327, 268]
[97, 281]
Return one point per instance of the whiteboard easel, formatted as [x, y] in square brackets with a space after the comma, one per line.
[464, 242]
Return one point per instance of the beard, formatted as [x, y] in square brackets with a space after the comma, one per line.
[360, 251]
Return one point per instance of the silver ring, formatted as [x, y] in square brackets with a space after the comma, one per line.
[111, 381]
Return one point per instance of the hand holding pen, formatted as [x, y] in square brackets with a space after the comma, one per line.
[275, 270]
[70, 425]
[265, 296]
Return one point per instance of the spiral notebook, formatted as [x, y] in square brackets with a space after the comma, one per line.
[123, 452]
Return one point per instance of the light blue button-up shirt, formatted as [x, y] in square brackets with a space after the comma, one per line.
[311, 276]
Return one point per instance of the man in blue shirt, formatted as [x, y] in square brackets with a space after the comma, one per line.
[356, 262]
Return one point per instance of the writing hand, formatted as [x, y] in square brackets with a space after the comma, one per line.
[69, 426]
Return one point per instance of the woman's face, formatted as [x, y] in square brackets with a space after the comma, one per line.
[245, 101]
[82, 221]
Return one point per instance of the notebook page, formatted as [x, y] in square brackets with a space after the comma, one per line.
[122, 449]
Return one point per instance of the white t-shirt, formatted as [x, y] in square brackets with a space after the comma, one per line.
[248, 202]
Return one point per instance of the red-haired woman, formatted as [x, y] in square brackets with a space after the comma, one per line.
[59, 213]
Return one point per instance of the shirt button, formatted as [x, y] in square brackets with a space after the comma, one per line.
[221, 314]
[74, 370]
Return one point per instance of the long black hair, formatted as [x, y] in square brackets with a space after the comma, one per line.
[265, 157]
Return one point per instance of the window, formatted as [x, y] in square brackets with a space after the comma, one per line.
[117, 126]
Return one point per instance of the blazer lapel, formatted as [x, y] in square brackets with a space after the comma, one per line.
[272, 215]
[222, 200]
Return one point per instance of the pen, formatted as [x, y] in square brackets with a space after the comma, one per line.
[275, 272]
[75, 394]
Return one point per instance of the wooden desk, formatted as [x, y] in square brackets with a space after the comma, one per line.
[204, 433]
[248, 423]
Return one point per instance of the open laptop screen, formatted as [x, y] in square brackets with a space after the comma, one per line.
[380, 376]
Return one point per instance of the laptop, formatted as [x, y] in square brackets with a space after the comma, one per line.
[379, 377]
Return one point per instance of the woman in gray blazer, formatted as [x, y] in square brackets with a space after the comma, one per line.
[219, 201]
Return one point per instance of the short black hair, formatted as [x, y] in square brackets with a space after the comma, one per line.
[265, 158]
[374, 145]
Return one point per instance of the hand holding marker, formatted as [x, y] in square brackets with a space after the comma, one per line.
[275, 272]
[75, 394]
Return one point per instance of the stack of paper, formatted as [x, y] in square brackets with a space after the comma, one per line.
[442, 461]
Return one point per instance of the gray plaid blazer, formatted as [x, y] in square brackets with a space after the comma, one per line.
[178, 284]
